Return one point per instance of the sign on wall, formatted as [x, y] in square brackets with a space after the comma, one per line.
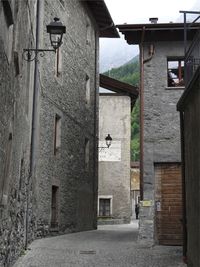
[113, 153]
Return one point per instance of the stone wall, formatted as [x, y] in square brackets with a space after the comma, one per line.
[114, 175]
[15, 122]
[26, 197]
[65, 95]
[161, 125]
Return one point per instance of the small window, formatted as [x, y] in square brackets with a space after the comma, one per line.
[87, 90]
[57, 134]
[104, 207]
[6, 180]
[87, 153]
[8, 12]
[175, 72]
[58, 62]
[88, 33]
[54, 207]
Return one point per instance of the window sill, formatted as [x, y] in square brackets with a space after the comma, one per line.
[175, 88]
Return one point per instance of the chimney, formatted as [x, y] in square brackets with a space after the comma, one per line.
[153, 20]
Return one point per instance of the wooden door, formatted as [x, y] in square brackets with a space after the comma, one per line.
[168, 203]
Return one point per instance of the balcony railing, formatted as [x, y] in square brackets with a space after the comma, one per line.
[192, 58]
[192, 53]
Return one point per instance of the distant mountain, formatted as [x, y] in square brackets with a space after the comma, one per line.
[115, 52]
[129, 73]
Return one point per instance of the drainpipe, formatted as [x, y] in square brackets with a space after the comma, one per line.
[142, 115]
[142, 62]
[96, 116]
[34, 123]
[184, 220]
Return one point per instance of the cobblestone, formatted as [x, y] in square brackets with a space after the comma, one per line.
[109, 246]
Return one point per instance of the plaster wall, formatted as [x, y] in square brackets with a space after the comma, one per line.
[114, 176]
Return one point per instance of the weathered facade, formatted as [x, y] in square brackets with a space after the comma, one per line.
[48, 147]
[114, 203]
[188, 106]
[162, 82]
[16, 89]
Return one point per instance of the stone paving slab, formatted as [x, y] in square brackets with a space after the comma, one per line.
[109, 246]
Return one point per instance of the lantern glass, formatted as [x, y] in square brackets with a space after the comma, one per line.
[56, 31]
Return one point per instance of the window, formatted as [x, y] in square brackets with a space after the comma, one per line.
[104, 207]
[87, 90]
[175, 72]
[58, 62]
[87, 153]
[8, 12]
[57, 134]
[88, 33]
[5, 186]
[54, 207]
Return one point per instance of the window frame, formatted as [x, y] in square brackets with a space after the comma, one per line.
[105, 197]
[180, 73]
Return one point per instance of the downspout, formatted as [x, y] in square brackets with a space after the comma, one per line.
[141, 94]
[96, 119]
[142, 62]
[184, 220]
[34, 122]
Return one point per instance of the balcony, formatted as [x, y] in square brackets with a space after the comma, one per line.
[192, 58]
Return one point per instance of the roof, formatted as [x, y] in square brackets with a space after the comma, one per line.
[119, 87]
[103, 18]
[134, 33]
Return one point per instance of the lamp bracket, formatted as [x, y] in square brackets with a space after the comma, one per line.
[32, 54]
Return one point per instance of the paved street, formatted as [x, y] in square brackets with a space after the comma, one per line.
[109, 246]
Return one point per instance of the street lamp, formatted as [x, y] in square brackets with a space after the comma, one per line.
[108, 140]
[56, 30]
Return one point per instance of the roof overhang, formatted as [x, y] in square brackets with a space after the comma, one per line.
[103, 18]
[158, 32]
[119, 87]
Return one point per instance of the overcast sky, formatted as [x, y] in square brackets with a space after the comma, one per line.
[115, 52]
[139, 11]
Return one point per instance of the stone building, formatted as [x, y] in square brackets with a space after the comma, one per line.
[48, 140]
[162, 83]
[114, 203]
[16, 89]
[188, 106]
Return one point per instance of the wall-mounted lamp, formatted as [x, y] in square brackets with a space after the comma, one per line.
[56, 30]
[108, 140]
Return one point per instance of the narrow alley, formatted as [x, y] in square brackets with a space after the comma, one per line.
[110, 245]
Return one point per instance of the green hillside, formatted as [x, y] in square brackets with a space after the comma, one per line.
[129, 73]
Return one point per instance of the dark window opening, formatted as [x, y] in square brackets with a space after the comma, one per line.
[175, 72]
[6, 180]
[104, 207]
[87, 154]
[54, 207]
[8, 12]
[57, 134]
